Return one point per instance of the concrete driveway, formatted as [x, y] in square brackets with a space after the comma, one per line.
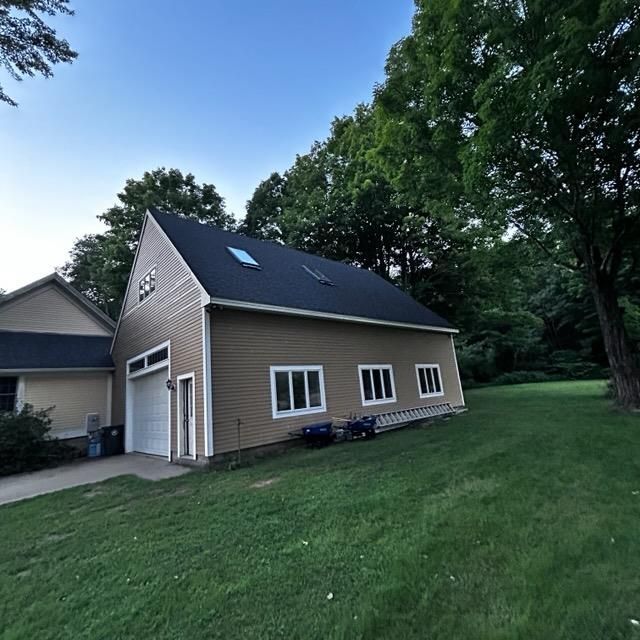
[85, 471]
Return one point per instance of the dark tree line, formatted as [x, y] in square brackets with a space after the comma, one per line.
[494, 175]
[498, 122]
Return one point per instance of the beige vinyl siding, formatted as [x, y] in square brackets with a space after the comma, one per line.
[49, 309]
[72, 395]
[244, 345]
[173, 312]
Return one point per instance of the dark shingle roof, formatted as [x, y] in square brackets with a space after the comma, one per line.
[31, 350]
[283, 282]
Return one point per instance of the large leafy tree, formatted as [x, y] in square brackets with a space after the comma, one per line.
[99, 264]
[27, 44]
[264, 210]
[541, 102]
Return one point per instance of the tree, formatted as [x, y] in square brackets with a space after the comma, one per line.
[541, 103]
[99, 264]
[264, 210]
[27, 44]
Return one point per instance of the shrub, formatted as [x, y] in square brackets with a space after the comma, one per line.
[25, 443]
[570, 365]
[520, 377]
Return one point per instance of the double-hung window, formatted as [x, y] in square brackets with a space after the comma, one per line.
[8, 393]
[429, 380]
[376, 383]
[297, 390]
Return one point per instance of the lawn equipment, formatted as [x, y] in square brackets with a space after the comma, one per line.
[323, 433]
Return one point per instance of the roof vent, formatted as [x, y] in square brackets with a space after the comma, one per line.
[244, 258]
[318, 275]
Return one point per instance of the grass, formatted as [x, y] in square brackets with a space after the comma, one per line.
[519, 519]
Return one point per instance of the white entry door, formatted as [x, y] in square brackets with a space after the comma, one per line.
[186, 416]
[150, 426]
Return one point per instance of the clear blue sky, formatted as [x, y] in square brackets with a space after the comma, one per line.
[227, 90]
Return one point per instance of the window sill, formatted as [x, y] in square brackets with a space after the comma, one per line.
[368, 403]
[298, 412]
[431, 395]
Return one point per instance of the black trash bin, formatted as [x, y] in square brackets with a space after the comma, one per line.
[113, 440]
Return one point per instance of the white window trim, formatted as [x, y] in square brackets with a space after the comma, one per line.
[389, 367]
[148, 272]
[429, 366]
[180, 453]
[153, 367]
[296, 412]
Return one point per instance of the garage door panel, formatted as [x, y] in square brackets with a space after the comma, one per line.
[151, 414]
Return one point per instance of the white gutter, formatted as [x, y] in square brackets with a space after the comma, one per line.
[57, 370]
[305, 313]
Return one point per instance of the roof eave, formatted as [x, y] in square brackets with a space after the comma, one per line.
[20, 371]
[321, 315]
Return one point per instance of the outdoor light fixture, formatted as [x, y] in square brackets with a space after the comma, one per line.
[170, 385]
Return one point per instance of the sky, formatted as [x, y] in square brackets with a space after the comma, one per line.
[229, 91]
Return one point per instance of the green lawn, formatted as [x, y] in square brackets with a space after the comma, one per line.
[519, 519]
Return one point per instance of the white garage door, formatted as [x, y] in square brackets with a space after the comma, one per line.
[151, 414]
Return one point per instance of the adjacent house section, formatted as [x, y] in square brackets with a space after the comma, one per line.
[54, 354]
[226, 342]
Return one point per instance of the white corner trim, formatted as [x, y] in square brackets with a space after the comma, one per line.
[323, 315]
[276, 415]
[365, 367]
[169, 392]
[429, 366]
[455, 361]
[207, 383]
[109, 397]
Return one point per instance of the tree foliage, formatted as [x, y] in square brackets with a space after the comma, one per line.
[542, 104]
[28, 46]
[495, 177]
[99, 264]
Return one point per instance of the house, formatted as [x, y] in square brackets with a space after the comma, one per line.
[54, 353]
[226, 342]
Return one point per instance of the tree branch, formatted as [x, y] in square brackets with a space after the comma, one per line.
[543, 246]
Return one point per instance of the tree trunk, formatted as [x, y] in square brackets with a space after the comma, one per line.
[622, 361]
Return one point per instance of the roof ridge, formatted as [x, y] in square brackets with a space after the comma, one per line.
[280, 245]
[362, 293]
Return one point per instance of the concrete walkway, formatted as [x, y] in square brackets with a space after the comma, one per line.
[85, 471]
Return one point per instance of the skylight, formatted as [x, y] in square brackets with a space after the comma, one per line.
[244, 258]
[318, 275]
